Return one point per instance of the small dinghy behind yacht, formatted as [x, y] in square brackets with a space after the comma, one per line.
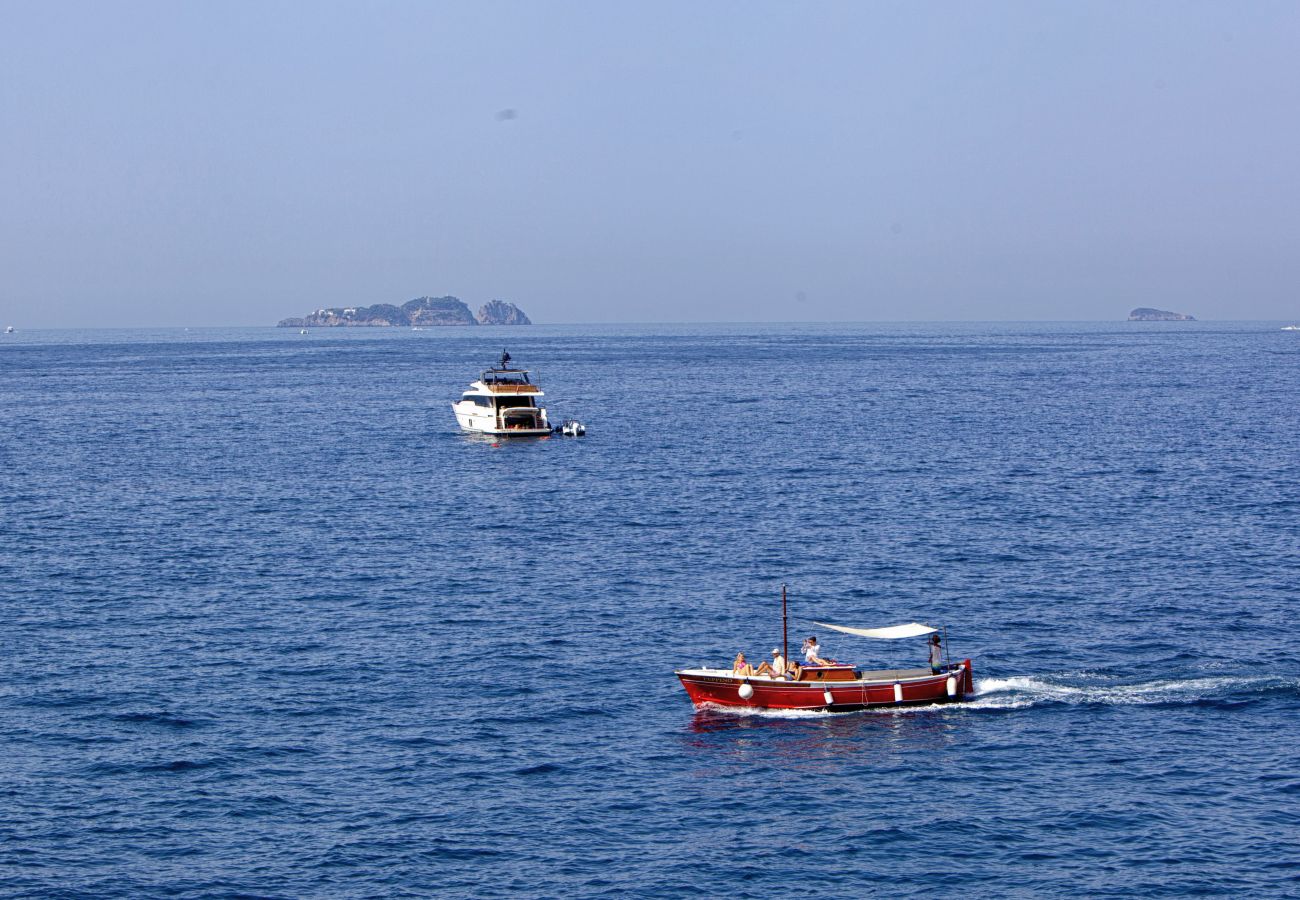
[503, 402]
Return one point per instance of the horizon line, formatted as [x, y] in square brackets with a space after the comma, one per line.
[1124, 321]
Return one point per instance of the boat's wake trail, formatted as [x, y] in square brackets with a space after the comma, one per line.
[761, 713]
[1022, 691]
[1025, 691]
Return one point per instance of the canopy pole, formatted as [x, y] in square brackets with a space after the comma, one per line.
[785, 631]
[946, 658]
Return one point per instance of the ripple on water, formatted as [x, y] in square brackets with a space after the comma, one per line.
[273, 627]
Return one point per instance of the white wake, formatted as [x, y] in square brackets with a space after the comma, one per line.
[1024, 691]
[1020, 691]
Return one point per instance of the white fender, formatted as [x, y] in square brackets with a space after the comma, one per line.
[898, 693]
[745, 691]
[952, 685]
[826, 695]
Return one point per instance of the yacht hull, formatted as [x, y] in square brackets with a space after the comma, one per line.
[508, 432]
[479, 424]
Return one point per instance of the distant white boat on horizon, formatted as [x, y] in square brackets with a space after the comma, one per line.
[1284, 328]
[9, 329]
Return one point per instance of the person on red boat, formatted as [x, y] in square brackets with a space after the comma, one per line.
[812, 652]
[775, 668]
[740, 667]
[936, 654]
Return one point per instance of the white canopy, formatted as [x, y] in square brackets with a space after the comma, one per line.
[915, 629]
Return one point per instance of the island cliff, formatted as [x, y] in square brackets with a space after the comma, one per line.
[420, 311]
[1147, 314]
[498, 312]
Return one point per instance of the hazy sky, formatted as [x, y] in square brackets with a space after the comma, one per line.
[219, 163]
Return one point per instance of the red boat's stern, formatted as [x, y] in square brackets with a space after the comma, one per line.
[967, 680]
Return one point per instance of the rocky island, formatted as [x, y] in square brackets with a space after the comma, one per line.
[420, 311]
[1147, 314]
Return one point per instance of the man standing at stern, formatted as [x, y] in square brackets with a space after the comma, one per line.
[936, 655]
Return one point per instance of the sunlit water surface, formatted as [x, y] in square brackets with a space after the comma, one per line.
[273, 627]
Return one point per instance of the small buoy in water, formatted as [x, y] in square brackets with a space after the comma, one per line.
[898, 693]
[826, 695]
[952, 685]
[746, 691]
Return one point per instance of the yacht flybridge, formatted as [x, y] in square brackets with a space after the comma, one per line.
[504, 402]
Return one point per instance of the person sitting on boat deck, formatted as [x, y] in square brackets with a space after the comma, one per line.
[812, 652]
[936, 655]
[740, 667]
[775, 668]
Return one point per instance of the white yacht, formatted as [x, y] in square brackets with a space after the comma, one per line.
[502, 401]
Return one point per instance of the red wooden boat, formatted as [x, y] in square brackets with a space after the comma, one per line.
[834, 687]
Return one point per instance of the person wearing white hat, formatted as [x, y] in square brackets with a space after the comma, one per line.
[776, 668]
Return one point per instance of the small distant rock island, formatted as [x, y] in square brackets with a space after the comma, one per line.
[1147, 314]
[420, 311]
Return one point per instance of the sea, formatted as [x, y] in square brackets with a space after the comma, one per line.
[272, 626]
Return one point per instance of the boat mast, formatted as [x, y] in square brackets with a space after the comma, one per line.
[785, 633]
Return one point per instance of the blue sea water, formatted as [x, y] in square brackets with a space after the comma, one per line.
[272, 627]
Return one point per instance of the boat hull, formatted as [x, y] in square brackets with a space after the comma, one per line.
[507, 432]
[724, 689]
[470, 420]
